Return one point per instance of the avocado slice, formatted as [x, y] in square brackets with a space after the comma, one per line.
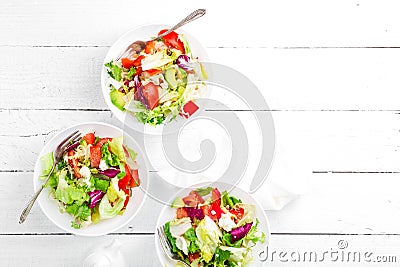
[170, 77]
[117, 99]
[177, 203]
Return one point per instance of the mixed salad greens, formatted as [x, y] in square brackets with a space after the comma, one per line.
[158, 83]
[93, 180]
[213, 229]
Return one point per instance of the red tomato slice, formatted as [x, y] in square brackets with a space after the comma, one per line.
[135, 181]
[89, 138]
[188, 109]
[95, 156]
[150, 92]
[150, 47]
[128, 195]
[181, 213]
[193, 256]
[138, 70]
[74, 164]
[152, 72]
[102, 141]
[123, 183]
[238, 212]
[193, 199]
[213, 211]
[138, 61]
[127, 63]
[172, 40]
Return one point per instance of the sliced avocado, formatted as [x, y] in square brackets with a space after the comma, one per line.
[170, 77]
[117, 99]
[177, 203]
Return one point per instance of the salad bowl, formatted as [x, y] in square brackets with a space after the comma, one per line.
[142, 70]
[54, 209]
[170, 214]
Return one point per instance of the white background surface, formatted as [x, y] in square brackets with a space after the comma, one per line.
[328, 70]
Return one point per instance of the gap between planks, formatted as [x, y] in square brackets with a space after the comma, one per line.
[151, 234]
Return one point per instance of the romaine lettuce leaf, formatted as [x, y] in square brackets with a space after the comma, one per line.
[116, 146]
[114, 71]
[110, 158]
[171, 239]
[113, 191]
[69, 193]
[101, 185]
[238, 255]
[47, 162]
[208, 237]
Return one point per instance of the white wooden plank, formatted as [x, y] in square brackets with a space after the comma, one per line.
[289, 79]
[314, 141]
[254, 24]
[139, 250]
[333, 203]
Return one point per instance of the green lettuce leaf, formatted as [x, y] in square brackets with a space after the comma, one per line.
[208, 234]
[47, 162]
[190, 235]
[116, 146]
[131, 73]
[171, 239]
[110, 158]
[238, 255]
[253, 234]
[100, 184]
[227, 238]
[81, 212]
[69, 193]
[108, 211]
[221, 256]
[113, 191]
[226, 199]
[53, 180]
[185, 44]
[114, 71]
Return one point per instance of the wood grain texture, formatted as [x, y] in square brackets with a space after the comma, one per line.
[288, 23]
[327, 141]
[137, 249]
[289, 79]
[328, 70]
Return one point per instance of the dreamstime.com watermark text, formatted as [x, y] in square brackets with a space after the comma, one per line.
[340, 254]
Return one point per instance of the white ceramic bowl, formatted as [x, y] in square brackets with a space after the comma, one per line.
[63, 220]
[168, 213]
[144, 32]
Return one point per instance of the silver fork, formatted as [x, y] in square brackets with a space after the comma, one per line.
[167, 246]
[58, 153]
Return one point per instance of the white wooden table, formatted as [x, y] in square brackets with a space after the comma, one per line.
[329, 71]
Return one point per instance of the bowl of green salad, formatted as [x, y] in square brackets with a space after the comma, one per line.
[98, 184]
[213, 225]
[158, 85]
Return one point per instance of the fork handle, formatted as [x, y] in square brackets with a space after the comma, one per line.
[29, 205]
[192, 16]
